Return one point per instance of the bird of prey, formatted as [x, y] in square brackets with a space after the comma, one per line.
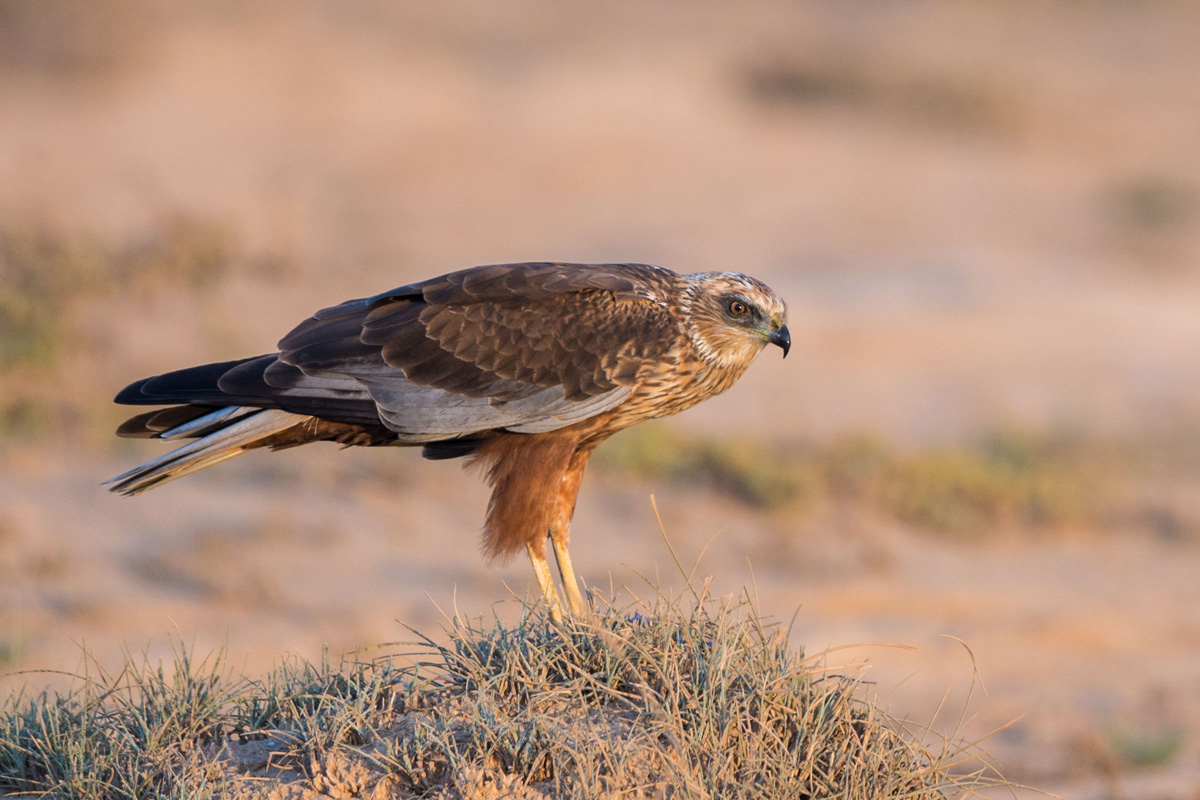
[524, 368]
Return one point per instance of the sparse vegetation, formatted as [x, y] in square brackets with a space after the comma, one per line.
[183, 250]
[751, 471]
[42, 274]
[49, 280]
[1010, 479]
[944, 102]
[1154, 203]
[706, 701]
[1005, 480]
[9, 652]
[46, 274]
[1146, 749]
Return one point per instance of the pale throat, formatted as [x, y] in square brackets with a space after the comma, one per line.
[725, 349]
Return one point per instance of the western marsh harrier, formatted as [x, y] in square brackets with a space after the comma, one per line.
[525, 368]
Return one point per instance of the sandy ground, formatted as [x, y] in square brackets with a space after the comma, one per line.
[981, 215]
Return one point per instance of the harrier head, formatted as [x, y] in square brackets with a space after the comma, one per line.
[731, 317]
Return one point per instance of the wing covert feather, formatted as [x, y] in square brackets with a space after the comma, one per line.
[526, 347]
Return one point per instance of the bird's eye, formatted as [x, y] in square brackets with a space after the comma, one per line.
[738, 308]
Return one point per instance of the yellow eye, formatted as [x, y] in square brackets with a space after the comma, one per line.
[737, 308]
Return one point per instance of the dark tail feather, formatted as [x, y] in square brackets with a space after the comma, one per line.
[260, 382]
[181, 386]
[153, 424]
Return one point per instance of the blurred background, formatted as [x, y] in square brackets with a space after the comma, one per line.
[985, 218]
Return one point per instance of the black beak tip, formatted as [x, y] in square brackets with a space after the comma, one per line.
[782, 338]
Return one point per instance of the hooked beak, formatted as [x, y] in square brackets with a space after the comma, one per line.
[782, 338]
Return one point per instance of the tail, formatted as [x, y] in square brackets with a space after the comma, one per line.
[235, 406]
[224, 433]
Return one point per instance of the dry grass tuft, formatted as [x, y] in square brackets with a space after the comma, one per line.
[705, 701]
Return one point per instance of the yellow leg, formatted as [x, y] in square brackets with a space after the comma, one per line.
[558, 536]
[541, 571]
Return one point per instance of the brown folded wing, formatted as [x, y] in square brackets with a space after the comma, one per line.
[525, 347]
